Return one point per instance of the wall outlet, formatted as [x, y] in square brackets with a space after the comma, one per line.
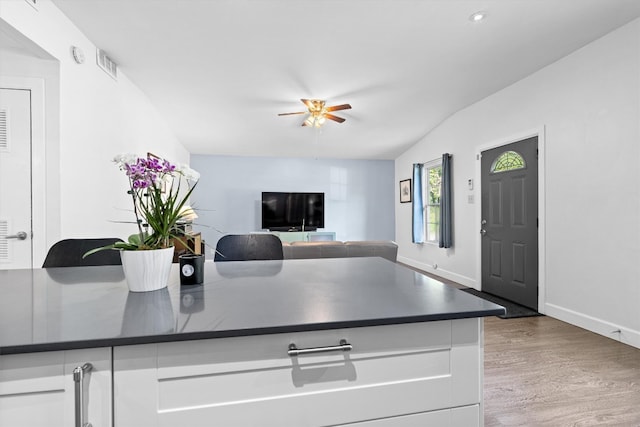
[471, 199]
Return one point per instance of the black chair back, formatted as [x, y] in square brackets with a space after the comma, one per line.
[68, 253]
[248, 247]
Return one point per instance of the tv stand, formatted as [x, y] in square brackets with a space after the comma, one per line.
[305, 236]
[291, 229]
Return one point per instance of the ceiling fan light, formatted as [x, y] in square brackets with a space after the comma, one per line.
[309, 121]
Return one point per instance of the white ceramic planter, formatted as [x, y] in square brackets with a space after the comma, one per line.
[147, 270]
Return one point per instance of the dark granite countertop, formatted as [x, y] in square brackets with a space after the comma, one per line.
[82, 307]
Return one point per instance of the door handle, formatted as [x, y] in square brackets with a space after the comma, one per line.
[78, 378]
[483, 231]
[20, 235]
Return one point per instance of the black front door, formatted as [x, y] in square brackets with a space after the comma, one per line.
[509, 225]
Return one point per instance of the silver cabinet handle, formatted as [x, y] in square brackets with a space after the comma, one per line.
[78, 378]
[295, 351]
[20, 235]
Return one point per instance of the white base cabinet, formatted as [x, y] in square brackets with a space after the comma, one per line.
[38, 389]
[398, 375]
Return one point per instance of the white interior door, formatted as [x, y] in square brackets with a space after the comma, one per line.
[15, 179]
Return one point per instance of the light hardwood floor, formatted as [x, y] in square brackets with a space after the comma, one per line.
[540, 371]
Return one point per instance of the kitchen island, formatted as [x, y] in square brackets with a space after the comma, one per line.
[360, 341]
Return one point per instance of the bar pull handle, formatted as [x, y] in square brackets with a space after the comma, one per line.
[78, 378]
[295, 351]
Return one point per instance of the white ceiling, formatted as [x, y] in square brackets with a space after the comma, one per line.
[221, 70]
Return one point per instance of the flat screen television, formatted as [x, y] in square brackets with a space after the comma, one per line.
[292, 211]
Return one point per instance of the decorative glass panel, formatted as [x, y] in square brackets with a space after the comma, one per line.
[508, 161]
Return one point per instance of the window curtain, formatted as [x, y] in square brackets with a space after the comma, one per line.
[446, 223]
[418, 206]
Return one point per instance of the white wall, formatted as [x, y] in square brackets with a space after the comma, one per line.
[98, 118]
[359, 194]
[588, 103]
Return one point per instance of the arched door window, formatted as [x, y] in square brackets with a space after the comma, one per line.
[508, 161]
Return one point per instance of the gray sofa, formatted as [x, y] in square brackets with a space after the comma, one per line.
[336, 249]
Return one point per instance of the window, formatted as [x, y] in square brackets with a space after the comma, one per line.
[433, 179]
[508, 161]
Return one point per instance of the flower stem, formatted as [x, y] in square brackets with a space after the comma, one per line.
[135, 211]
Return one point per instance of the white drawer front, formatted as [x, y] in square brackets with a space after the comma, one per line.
[467, 416]
[391, 371]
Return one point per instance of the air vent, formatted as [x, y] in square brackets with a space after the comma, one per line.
[4, 130]
[107, 64]
[4, 243]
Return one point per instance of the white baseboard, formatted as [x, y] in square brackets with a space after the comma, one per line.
[598, 326]
[458, 278]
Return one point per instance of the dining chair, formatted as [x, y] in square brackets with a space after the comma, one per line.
[248, 247]
[69, 252]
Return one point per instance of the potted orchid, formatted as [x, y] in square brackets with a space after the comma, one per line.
[159, 191]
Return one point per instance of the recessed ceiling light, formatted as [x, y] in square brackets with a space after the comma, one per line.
[478, 16]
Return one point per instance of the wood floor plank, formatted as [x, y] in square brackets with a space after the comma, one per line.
[540, 371]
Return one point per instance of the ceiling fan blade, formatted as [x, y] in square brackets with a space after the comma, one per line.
[307, 102]
[290, 114]
[339, 107]
[334, 118]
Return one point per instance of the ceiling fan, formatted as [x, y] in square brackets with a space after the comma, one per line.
[318, 112]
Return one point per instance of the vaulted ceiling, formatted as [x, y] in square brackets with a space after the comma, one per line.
[220, 71]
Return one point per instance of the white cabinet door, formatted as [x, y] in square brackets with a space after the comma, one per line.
[392, 371]
[38, 389]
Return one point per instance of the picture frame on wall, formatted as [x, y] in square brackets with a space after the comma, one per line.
[405, 191]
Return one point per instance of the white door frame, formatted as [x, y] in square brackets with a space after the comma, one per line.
[38, 161]
[540, 133]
